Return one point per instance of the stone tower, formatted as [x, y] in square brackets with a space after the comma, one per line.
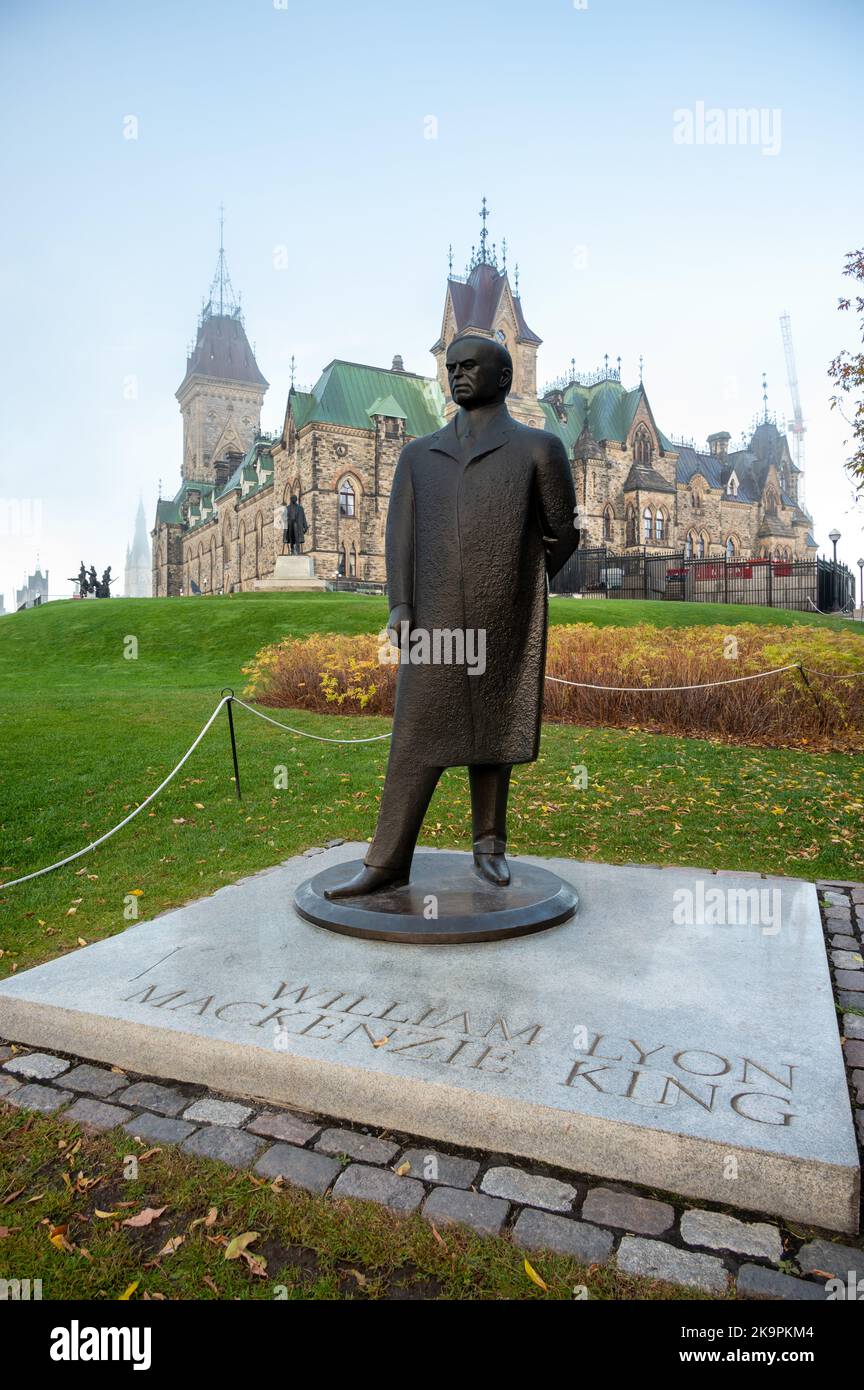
[221, 394]
[482, 301]
[139, 577]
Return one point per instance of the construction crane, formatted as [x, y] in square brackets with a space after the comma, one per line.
[796, 425]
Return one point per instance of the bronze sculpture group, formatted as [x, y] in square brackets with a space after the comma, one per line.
[88, 583]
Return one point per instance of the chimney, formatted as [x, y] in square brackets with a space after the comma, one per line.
[398, 364]
[719, 443]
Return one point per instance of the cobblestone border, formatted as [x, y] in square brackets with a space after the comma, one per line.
[540, 1208]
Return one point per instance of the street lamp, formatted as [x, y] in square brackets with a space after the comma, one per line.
[834, 537]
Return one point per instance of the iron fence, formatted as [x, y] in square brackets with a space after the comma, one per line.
[670, 575]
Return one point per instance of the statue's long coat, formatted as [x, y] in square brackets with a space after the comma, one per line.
[472, 534]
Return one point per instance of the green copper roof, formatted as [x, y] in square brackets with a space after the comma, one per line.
[168, 512]
[387, 407]
[346, 391]
[607, 406]
[247, 472]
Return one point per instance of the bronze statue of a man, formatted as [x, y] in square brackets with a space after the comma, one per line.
[296, 527]
[481, 513]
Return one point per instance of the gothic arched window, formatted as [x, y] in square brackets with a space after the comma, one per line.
[631, 526]
[701, 546]
[642, 445]
[647, 525]
[347, 498]
[659, 525]
[730, 548]
[688, 547]
[607, 524]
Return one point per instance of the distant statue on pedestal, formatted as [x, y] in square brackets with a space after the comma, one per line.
[296, 527]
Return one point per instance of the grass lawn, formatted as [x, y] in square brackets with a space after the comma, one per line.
[313, 1247]
[88, 734]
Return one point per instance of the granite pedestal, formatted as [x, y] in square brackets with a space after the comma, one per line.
[666, 1035]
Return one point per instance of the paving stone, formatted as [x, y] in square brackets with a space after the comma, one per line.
[844, 943]
[207, 1111]
[853, 1051]
[159, 1129]
[165, 1100]
[858, 1085]
[382, 1186]
[431, 1166]
[849, 1001]
[331, 844]
[96, 1081]
[859, 1124]
[832, 899]
[831, 1259]
[721, 1232]
[853, 1026]
[359, 1146]
[531, 1190]
[301, 1167]
[35, 1097]
[8, 1084]
[232, 1146]
[37, 1066]
[858, 894]
[756, 1282]
[5, 1052]
[540, 1230]
[838, 914]
[847, 960]
[448, 1206]
[95, 1114]
[656, 1260]
[276, 1124]
[852, 980]
[641, 1214]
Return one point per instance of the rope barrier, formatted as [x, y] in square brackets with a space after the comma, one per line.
[108, 833]
[378, 738]
[374, 738]
[670, 689]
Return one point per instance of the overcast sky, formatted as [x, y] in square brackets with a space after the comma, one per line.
[350, 143]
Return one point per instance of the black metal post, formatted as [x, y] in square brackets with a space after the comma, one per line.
[229, 703]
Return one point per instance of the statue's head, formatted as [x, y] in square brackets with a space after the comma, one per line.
[480, 371]
[293, 498]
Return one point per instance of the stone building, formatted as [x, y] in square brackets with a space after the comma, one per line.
[34, 590]
[637, 487]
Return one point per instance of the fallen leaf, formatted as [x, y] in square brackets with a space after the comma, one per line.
[402, 1169]
[145, 1217]
[171, 1245]
[535, 1277]
[236, 1246]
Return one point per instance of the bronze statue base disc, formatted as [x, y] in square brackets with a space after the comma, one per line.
[446, 903]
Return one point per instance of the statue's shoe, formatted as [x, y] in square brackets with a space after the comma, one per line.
[369, 880]
[493, 867]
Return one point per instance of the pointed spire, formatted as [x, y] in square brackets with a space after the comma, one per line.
[450, 259]
[764, 399]
[222, 300]
[640, 369]
[504, 255]
[517, 279]
[484, 213]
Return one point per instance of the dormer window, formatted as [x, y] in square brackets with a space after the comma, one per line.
[732, 486]
[642, 446]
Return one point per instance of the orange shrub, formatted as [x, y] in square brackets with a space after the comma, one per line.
[341, 674]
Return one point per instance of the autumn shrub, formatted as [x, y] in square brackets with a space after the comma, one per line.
[343, 674]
